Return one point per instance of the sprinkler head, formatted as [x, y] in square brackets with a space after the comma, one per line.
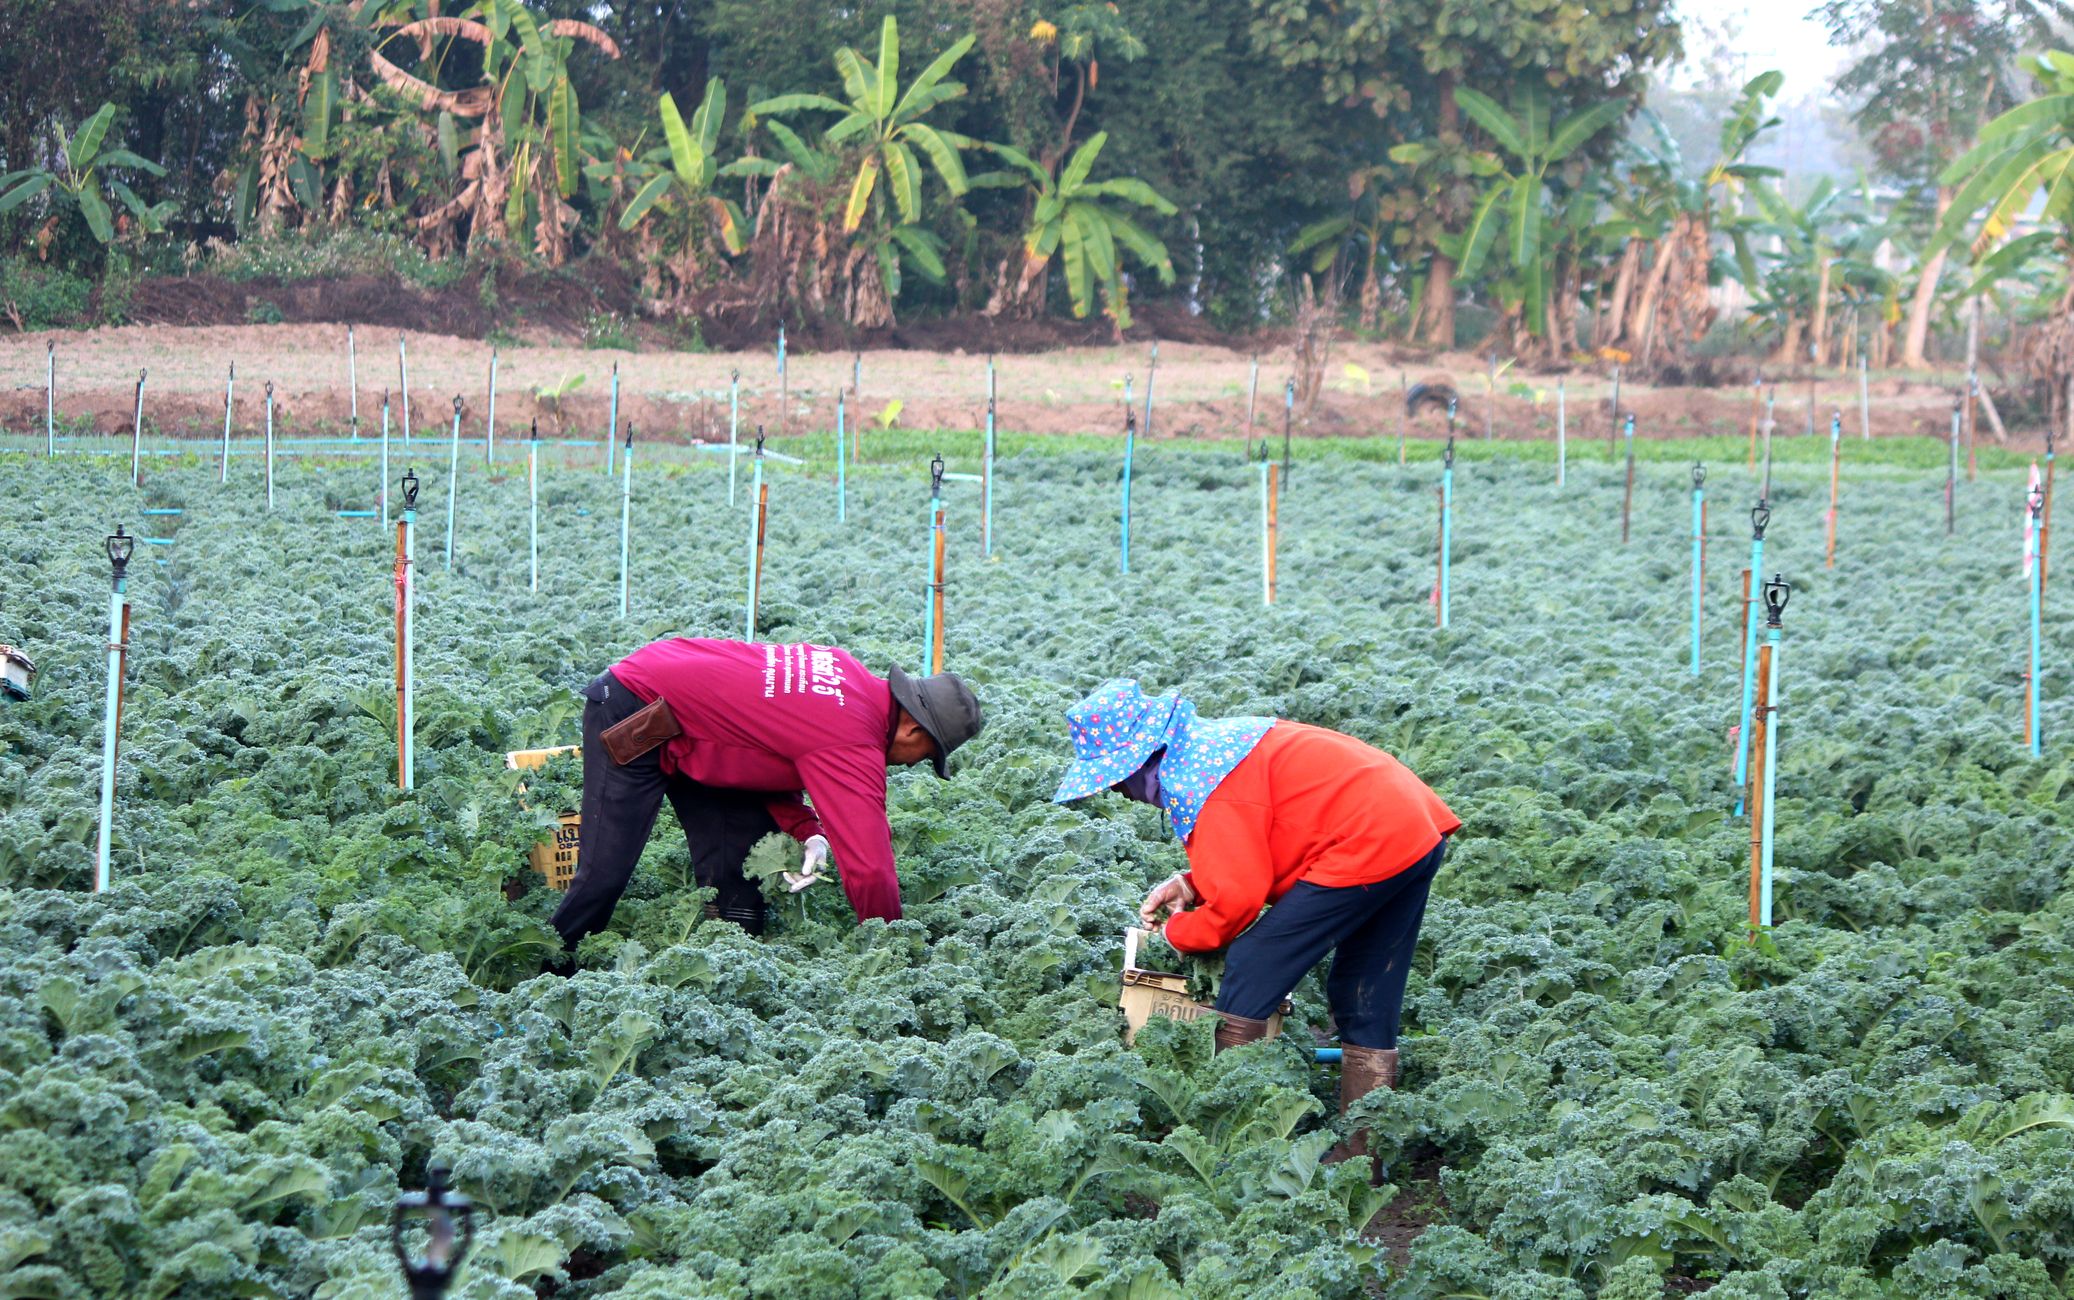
[2037, 501]
[536, 428]
[410, 489]
[936, 475]
[1447, 453]
[441, 1210]
[270, 390]
[457, 406]
[630, 435]
[1628, 427]
[1776, 594]
[1699, 475]
[120, 546]
[1760, 519]
[759, 442]
[1130, 420]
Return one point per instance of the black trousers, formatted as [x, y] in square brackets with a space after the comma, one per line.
[620, 803]
[1370, 930]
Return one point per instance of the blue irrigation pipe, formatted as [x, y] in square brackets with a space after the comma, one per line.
[1775, 593]
[986, 484]
[453, 479]
[403, 383]
[163, 510]
[612, 428]
[409, 595]
[229, 384]
[1699, 562]
[734, 424]
[137, 434]
[119, 548]
[1130, 445]
[626, 511]
[1327, 1055]
[533, 517]
[1760, 519]
[1447, 527]
[489, 436]
[270, 446]
[842, 512]
[382, 490]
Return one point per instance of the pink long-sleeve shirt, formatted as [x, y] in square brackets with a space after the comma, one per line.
[785, 720]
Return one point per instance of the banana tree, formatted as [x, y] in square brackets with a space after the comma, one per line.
[1672, 309]
[1353, 238]
[801, 260]
[521, 160]
[1799, 285]
[1513, 201]
[90, 167]
[883, 124]
[1083, 220]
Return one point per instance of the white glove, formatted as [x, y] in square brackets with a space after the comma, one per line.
[809, 872]
[1171, 895]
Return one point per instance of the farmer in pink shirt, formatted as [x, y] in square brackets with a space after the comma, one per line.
[734, 734]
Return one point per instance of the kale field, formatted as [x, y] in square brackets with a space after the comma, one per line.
[305, 985]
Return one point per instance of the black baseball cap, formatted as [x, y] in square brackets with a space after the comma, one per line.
[943, 705]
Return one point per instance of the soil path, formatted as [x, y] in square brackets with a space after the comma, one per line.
[1200, 389]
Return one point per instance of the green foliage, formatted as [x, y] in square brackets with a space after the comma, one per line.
[215, 1077]
[90, 178]
[43, 297]
[1081, 216]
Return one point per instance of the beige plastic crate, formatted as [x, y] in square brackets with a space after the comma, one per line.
[556, 858]
[1149, 993]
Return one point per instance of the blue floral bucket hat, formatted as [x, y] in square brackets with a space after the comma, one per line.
[1118, 727]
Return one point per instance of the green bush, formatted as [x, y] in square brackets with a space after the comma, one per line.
[333, 254]
[38, 297]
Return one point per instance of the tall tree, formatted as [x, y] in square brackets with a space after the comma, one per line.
[1931, 73]
[1405, 59]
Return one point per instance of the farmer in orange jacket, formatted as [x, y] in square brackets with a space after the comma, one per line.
[1336, 839]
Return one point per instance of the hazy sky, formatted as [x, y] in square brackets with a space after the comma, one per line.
[1768, 34]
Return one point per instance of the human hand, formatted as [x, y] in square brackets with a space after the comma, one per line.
[1171, 895]
[809, 872]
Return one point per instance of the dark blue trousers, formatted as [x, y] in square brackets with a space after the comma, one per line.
[1370, 930]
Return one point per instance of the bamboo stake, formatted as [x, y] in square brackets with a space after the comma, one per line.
[1288, 418]
[1274, 532]
[1758, 807]
[353, 380]
[1775, 595]
[936, 594]
[137, 435]
[406, 555]
[2045, 523]
[50, 397]
[842, 508]
[734, 424]
[230, 383]
[1627, 498]
[1836, 456]
[934, 585]
[1613, 413]
[755, 538]
[1151, 371]
[857, 375]
[1760, 519]
[784, 384]
[120, 546]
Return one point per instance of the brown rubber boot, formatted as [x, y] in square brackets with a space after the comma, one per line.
[1233, 1030]
[1361, 1071]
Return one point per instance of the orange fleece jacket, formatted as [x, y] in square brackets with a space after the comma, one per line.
[1306, 804]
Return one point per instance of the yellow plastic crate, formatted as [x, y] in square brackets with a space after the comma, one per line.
[556, 858]
[1149, 993]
